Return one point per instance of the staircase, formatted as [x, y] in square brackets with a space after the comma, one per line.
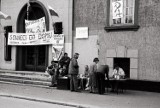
[25, 77]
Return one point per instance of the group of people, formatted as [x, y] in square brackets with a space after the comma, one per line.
[95, 74]
[58, 68]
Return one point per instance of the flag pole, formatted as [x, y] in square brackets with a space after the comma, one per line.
[28, 5]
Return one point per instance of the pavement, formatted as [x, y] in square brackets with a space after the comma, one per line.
[84, 99]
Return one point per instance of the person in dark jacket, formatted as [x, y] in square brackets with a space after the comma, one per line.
[102, 72]
[73, 72]
[64, 60]
[52, 70]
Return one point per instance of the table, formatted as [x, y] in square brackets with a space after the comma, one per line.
[116, 84]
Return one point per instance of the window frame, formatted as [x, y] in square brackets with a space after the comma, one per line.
[114, 27]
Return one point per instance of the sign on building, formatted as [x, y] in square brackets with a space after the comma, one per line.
[81, 32]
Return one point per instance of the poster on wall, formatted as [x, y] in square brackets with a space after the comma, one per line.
[57, 53]
[35, 26]
[117, 9]
[58, 47]
[81, 32]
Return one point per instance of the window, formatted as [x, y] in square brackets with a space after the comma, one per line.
[123, 14]
[7, 48]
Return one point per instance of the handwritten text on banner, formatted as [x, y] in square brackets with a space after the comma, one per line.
[36, 39]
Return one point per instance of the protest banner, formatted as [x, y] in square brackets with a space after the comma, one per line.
[35, 26]
[44, 38]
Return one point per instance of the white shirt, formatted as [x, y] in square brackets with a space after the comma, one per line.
[120, 72]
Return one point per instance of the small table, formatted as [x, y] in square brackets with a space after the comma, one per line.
[117, 84]
[82, 82]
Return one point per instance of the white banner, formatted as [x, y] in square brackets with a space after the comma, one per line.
[57, 48]
[57, 53]
[117, 9]
[35, 26]
[36, 39]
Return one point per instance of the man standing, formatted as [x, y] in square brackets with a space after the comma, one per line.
[102, 72]
[73, 71]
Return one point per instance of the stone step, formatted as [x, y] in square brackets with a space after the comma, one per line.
[24, 73]
[25, 81]
[34, 78]
[25, 77]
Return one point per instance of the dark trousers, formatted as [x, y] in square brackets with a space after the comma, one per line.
[101, 82]
[73, 82]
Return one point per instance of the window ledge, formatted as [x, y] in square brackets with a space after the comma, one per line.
[122, 28]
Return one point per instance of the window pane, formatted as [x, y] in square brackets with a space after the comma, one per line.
[127, 3]
[117, 21]
[126, 11]
[130, 19]
[127, 8]
[131, 11]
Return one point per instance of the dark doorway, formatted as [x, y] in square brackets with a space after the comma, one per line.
[32, 58]
[35, 58]
[124, 63]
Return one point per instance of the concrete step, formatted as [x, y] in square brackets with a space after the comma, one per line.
[35, 78]
[25, 81]
[25, 77]
[23, 73]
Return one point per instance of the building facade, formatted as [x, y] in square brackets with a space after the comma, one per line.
[33, 57]
[127, 31]
[123, 32]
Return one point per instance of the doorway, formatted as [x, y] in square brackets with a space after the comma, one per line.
[124, 63]
[35, 58]
[32, 58]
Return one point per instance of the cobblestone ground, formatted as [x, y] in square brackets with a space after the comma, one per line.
[128, 99]
[7, 102]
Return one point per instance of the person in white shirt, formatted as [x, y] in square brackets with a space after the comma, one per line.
[118, 73]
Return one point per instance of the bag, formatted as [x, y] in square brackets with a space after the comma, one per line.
[51, 71]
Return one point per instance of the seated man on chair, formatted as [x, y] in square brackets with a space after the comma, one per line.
[53, 71]
[118, 73]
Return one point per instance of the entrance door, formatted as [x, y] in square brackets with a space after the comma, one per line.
[35, 58]
[32, 58]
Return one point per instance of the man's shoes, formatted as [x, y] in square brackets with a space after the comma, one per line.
[112, 90]
[54, 85]
[87, 88]
[77, 91]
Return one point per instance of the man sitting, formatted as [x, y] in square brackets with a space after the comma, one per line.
[53, 71]
[117, 74]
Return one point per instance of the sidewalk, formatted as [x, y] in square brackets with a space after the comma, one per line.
[129, 99]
